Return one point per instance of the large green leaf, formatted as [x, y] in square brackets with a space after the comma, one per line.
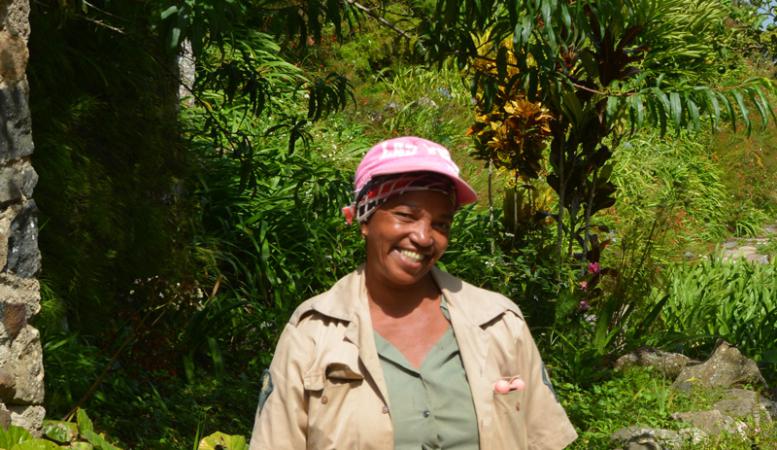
[222, 441]
[36, 444]
[84, 422]
[60, 431]
[676, 109]
[12, 436]
[98, 440]
[743, 110]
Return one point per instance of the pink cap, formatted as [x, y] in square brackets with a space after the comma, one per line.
[412, 154]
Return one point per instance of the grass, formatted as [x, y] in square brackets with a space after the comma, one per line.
[749, 164]
[640, 396]
[734, 301]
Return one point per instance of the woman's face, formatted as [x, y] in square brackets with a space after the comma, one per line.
[407, 235]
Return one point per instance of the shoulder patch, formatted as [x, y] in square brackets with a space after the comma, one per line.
[546, 381]
[266, 388]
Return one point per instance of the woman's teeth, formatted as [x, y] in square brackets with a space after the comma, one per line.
[412, 255]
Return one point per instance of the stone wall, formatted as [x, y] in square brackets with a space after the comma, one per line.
[21, 365]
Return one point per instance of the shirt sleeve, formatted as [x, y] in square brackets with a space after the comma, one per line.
[547, 424]
[281, 417]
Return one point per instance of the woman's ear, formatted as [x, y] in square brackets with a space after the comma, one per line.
[364, 229]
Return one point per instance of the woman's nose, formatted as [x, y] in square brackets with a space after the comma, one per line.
[422, 233]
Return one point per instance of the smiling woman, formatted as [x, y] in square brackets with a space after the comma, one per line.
[398, 354]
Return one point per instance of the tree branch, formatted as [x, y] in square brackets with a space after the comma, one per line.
[380, 19]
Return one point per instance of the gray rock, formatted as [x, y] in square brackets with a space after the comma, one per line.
[725, 368]
[712, 422]
[13, 49]
[25, 291]
[770, 406]
[26, 367]
[643, 438]
[743, 404]
[5, 417]
[392, 107]
[7, 386]
[17, 182]
[23, 255]
[666, 363]
[15, 123]
[14, 16]
[426, 102]
[444, 92]
[759, 259]
[28, 417]
[14, 318]
[186, 71]
[731, 243]
[747, 251]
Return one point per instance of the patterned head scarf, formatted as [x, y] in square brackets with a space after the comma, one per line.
[381, 188]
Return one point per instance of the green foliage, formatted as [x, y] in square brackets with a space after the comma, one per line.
[13, 436]
[733, 301]
[430, 102]
[59, 431]
[178, 241]
[642, 397]
[749, 164]
[491, 260]
[57, 435]
[104, 182]
[634, 397]
[601, 69]
[221, 441]
[675, 181]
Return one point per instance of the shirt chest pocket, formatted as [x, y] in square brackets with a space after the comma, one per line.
[331, 376]
[333, 386]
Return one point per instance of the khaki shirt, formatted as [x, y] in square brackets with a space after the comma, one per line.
[328, 390]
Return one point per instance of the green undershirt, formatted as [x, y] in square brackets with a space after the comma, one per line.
[431, 407]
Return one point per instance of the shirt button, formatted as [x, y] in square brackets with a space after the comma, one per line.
[324, 400]
[427, 413]
[385, 409]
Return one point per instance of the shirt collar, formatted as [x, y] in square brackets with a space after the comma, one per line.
[481, 306]
[348, 298]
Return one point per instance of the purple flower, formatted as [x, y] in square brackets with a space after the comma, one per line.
[594, 267]
[583, 306]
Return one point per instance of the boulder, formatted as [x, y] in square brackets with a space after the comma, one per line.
[711, 422]
[668, 364]
[744, 404]
[725, 368]
[643, 438]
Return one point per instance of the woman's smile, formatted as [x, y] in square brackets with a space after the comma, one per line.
[411, 255]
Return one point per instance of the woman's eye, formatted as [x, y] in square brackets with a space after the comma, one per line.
[443, 226]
